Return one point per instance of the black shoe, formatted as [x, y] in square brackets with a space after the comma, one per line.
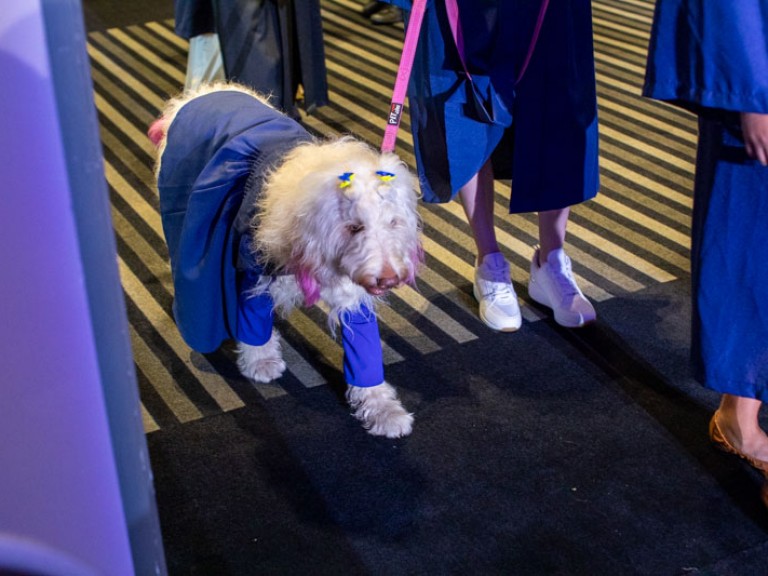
[390, 15]
[372, 8]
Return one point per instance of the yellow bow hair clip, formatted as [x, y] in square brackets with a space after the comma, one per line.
[385, 176]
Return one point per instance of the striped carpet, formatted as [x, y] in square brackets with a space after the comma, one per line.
[634, 235]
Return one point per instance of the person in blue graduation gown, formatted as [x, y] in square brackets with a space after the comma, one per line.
[711, 58]
[533, 123]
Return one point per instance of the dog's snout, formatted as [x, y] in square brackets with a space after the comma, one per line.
[388, 282]
[388, 278]
[380, 283]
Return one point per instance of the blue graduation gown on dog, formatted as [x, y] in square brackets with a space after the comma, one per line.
[711, 57]
[540, 133]
[215, 142]
[218, 147]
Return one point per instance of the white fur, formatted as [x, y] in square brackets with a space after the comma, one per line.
[306, 220]
[346, 246]
[379, 410]
[261, 363]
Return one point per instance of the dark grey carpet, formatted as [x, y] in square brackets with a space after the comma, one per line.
[532, 454]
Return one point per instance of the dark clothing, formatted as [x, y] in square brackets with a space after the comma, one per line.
[272, 46]
[193, 17]
[729, 275]
[709, 55]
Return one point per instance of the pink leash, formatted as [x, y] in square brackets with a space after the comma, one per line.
[409, 51]
[403, 75]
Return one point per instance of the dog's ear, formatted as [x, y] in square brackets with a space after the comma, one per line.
[157, 130]
[309, 286]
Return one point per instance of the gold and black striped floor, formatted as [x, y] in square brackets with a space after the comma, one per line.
[634, 235]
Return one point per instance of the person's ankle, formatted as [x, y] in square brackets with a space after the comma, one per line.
[746, 436]
[755, 443]
[481, 254]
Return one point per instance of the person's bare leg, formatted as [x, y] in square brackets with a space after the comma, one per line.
[738, 419]
[492, 287]
[552, 282]
[477, 199]
[552, 225]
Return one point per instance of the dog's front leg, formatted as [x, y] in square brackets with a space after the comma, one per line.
[373, 401]
[380, 411]
[261, 363]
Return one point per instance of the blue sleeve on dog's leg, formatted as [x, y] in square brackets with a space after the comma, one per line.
[363, 357]
[254, 313]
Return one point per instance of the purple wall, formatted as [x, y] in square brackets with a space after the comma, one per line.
[58, 479]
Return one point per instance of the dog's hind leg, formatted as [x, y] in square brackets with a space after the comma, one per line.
[261, 363]
[380, 411]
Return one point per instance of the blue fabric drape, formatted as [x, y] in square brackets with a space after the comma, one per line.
[708, 55]
[541, 133]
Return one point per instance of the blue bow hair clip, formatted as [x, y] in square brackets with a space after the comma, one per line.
[385, 176]
[346, 179]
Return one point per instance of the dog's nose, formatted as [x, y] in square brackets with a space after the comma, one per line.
[388, 282]
[385, 280]
[388, 278]
[378, 286]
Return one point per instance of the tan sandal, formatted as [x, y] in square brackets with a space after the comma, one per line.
[721, 441]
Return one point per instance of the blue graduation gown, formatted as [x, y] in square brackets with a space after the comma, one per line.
[215, 142]
[711, 57]
[551, 115]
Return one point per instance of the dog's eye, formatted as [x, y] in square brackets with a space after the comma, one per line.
[355, 228]
[395, 223]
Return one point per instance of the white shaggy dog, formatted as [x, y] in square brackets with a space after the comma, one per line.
[258, 216]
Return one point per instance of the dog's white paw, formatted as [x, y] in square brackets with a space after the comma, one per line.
[378, 408]
[261, 363]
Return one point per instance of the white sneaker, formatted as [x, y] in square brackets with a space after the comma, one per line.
[494, 291]
[553, 285]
